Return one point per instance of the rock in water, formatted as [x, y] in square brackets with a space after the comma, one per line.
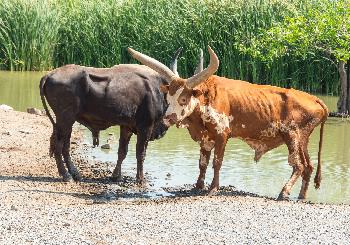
[106, 146]
[35, 111]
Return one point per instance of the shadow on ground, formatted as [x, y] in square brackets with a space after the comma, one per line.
[104, 190]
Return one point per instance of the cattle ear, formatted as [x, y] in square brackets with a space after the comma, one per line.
[164, 88]
[196, 92]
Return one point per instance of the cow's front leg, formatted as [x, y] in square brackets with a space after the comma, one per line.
[141, 146]
[219, 151]
[203, 164]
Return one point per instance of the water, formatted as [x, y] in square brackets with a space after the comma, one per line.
[20, 89]
[173, 160]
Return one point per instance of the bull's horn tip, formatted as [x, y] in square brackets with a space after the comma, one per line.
[131, 51]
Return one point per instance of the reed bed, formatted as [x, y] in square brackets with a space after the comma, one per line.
[43, 34]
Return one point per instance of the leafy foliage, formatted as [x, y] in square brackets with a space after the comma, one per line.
[42, 34]
[323, 28]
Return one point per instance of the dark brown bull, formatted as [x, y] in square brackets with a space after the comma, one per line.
[125, 95]
[214, 109]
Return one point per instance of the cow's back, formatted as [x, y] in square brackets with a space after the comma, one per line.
[102, 97]
[254, 108]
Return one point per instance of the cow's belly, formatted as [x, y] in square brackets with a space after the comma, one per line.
[100, 123]
[262, 145]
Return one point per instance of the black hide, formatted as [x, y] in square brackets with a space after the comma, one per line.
[125, 95]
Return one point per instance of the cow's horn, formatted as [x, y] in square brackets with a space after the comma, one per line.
[152, 63]
[207, 72]
[173, 64]
[200, 63]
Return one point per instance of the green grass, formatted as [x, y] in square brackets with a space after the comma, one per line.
[42, 34]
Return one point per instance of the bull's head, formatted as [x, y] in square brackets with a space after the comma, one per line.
[182, 95]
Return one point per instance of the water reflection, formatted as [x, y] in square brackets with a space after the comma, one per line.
[173, 160]
[20, 89]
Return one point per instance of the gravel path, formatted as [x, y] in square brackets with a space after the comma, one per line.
[36, 208]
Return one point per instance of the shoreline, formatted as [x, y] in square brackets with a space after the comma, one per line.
[37, 208]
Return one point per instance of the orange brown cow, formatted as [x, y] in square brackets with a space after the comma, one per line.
[214, 109]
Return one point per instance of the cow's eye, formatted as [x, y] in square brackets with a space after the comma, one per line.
[183, 101]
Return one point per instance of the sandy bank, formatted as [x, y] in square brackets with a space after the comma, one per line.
[37, 208]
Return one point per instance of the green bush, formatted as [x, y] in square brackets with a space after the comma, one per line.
[40, 35]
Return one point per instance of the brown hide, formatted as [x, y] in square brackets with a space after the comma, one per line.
[215, 109]
[263, 116]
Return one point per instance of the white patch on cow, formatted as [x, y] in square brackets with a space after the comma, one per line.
[181, 111]
[277, 127]
[293, 130]
[203, 160]
[243, 126]
[220, 120]
[167, 122]
[183, 125]
[207, 144]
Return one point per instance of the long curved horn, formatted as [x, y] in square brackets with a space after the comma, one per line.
[173, 64]
[153, 64]
[200, 64]
[207, 72]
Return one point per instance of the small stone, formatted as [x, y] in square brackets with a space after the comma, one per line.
[168, 174]
[13, 208]
[106, 146]
[24, 131]
[35, 111]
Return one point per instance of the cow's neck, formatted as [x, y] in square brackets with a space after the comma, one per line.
[194, 125]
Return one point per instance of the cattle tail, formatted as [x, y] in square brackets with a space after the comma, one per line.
[318, 177]
[43, 100]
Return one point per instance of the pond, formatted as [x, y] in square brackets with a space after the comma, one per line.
[173, 160]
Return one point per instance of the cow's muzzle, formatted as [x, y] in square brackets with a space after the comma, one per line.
[170, 119]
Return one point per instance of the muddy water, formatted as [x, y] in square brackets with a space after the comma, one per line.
[173, 160]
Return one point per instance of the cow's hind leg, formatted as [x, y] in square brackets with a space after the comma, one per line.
[306, 175]
[59, 137]
[292, 140]
[66, 156]
[203, 164]
[125, 135]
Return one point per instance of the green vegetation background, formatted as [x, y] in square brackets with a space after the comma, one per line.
[44, 34]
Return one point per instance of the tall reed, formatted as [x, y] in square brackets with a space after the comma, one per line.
[28, 34]
[41, 34]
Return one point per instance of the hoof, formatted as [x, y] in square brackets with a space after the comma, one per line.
[76, 176]
[140, 181]
[212, 191]
[301, 197]
[67, 178]
[200, 185]
[116, 178]
[282, 197]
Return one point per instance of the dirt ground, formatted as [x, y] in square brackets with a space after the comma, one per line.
[36, 207]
